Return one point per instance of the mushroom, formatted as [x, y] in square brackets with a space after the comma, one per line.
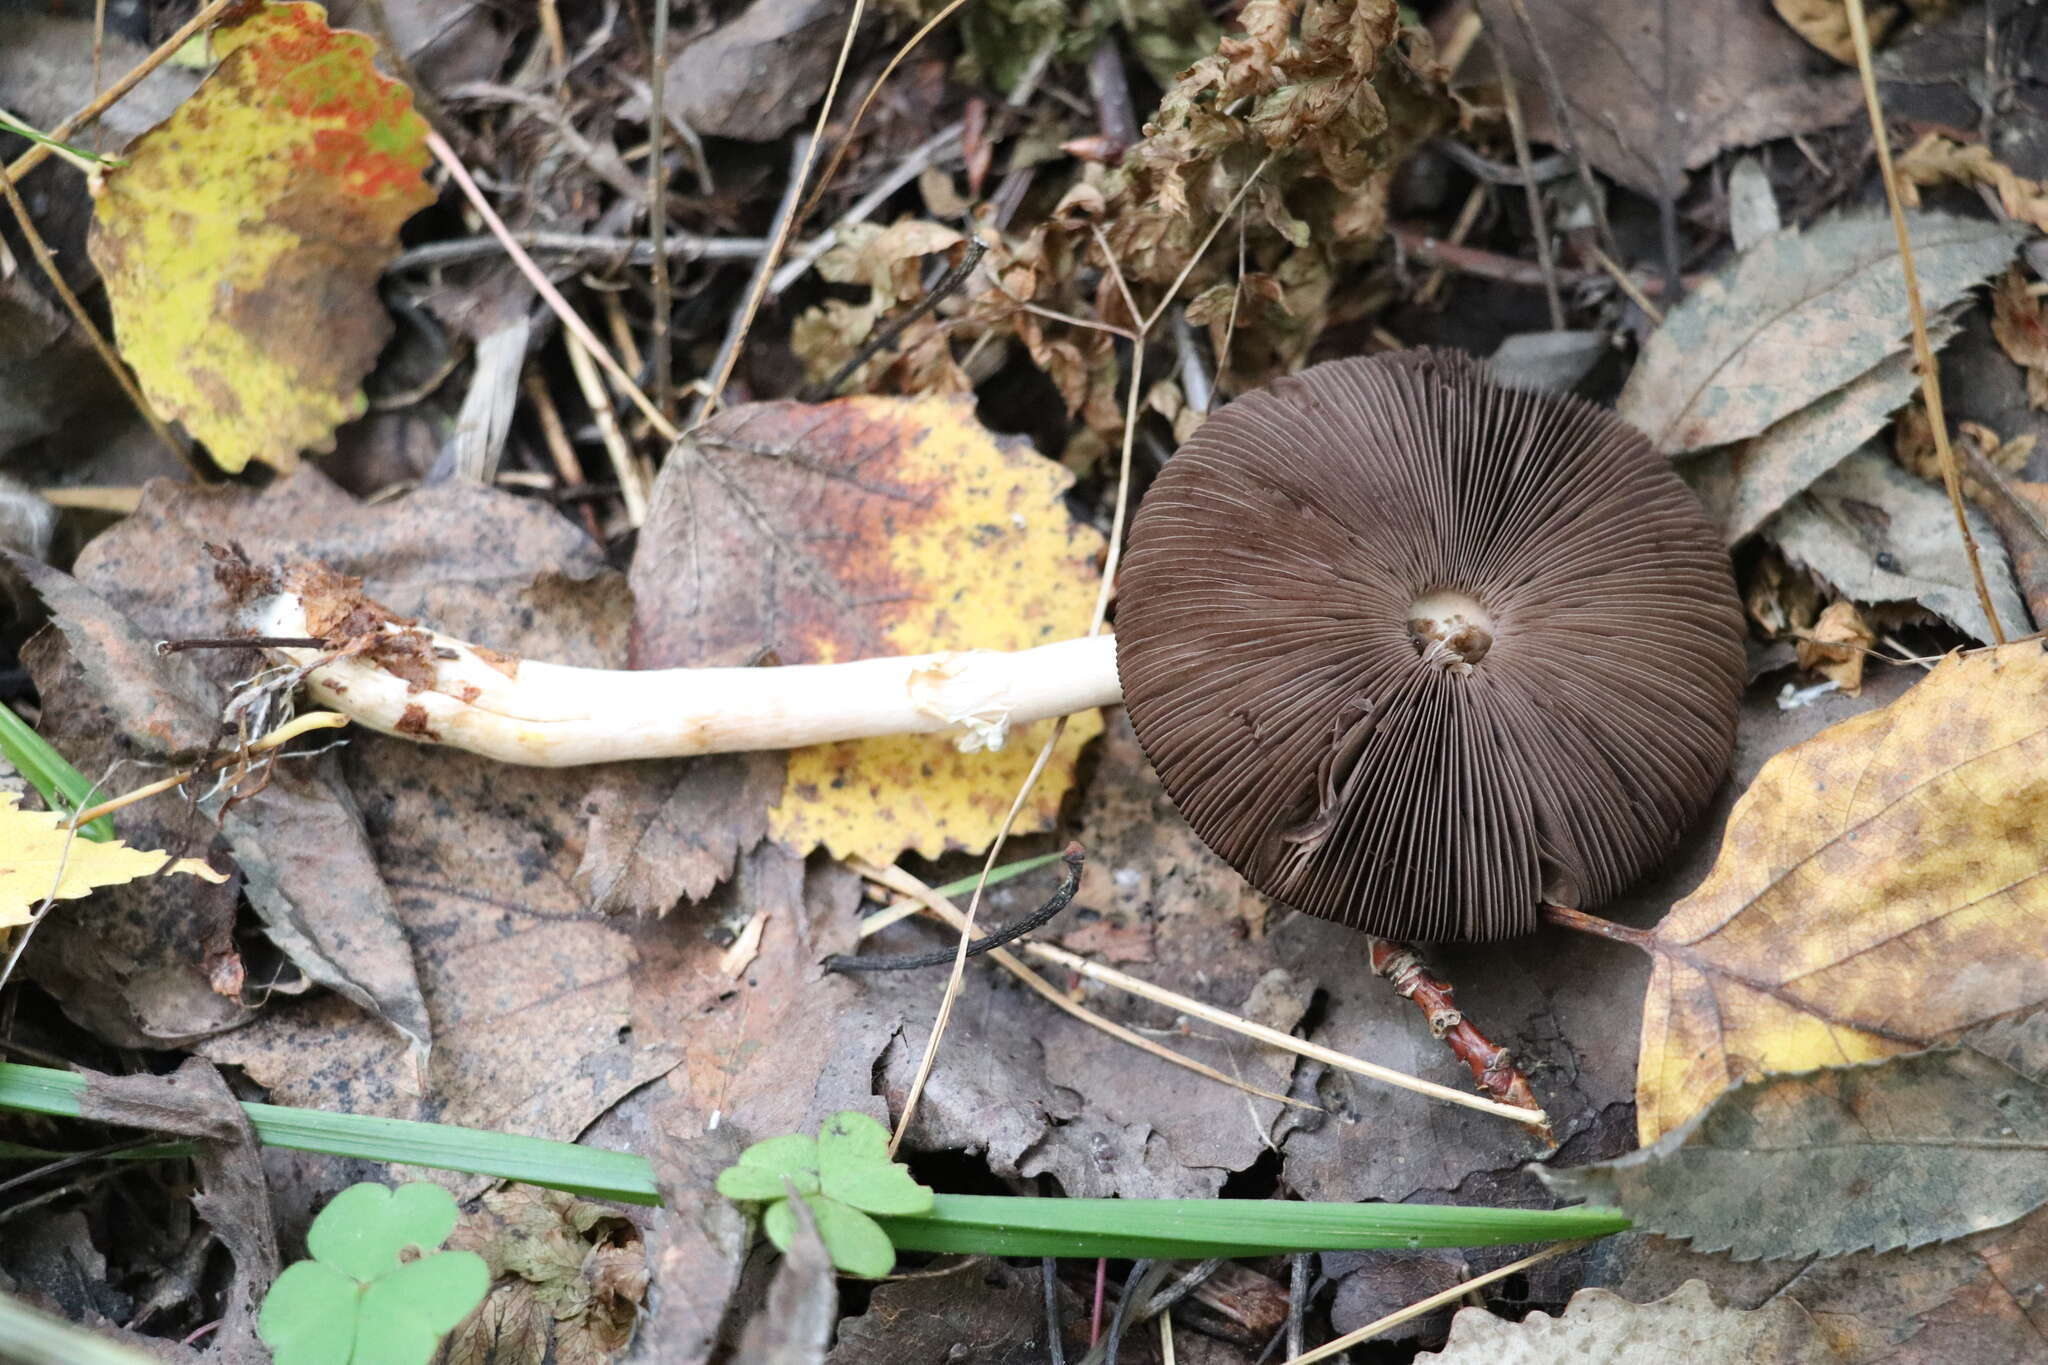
[1410, 650]
[1416, 652]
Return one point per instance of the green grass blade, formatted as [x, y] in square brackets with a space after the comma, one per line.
[974, 1224]
[996, 875]
[62, 787]
[78, 156]
[996, 1225]
[507, 1156]
[31, 1338]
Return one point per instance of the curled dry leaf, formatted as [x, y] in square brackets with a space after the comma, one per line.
[242, 242]
[1825, 24]
[1936, 160]
[1598, 1325]
[1879, 889]
[1837, 645]
[1874, 1157]
[1878, 534]
[1795, 319]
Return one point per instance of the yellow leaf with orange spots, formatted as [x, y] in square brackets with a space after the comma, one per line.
[793, 533]
[242, 241]
[41, 859]
[1881, 888]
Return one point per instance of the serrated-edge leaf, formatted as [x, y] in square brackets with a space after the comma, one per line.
[1691, 388]
[1959, 1142]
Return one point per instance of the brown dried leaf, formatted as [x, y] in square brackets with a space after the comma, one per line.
[1734, 77]
[1837, 646]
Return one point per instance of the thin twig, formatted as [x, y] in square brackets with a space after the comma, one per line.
[1560, 109]
[898, 880]
[657, 207]
[1272, 1037]
[113, 94]
[576, 327]
[759, 286]
[861, 110]
[736, 328]
[1492, 1065]
[1430, 1304]
[1627, 284]
[1923, 350]
[955, 276]
[1539, 221]
[100, 345]
[952, 993]
[625, 250]
[922, 156]
[1055, 1347]
[632, 488]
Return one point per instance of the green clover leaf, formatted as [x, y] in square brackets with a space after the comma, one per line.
[845, 1174]
[356, 1302]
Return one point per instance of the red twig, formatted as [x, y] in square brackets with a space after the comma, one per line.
[1493, 1066]
[1584, 923]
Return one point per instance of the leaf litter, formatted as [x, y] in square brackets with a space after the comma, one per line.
[461, 917]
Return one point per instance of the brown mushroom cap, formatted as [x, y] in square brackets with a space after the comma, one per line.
[1414, 652]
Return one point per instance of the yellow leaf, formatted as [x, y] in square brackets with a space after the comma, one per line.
[978, 552]
[33, 846]
[1881, 888]
[242, 242]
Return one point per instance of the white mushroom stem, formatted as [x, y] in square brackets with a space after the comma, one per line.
[549, 715]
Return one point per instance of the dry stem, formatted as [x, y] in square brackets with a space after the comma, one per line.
[1492, 1066]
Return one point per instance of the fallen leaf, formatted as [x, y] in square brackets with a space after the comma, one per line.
[1754, 479]
[1734, 76]
[1837, 645]
[864, 527]
[136, 967]
[1877, 534]
[525, 988]
[758, 75]
[44, 860]
[1797, 317]
[1601, 1326]
[2021, 327]
[993, 1317]
[1969, 1302]
[564, 1271]
[1919, 1148]
[1877, 892]
[242, 243]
